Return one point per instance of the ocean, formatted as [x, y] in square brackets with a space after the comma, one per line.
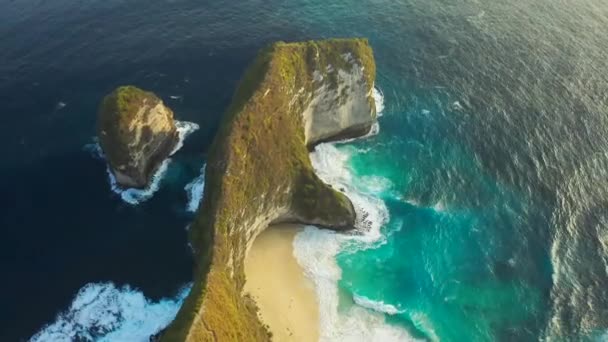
[482, 195]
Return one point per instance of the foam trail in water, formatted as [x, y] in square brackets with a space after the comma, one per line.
[104, 312]
[131, 195]
[184, 129]
[378, 306]
[195, 190]
[136, 196]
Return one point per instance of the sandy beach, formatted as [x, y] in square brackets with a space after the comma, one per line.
[276, 281]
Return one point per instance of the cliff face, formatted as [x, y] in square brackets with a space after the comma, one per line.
[340, 104]
[259, 172]
[136, 132]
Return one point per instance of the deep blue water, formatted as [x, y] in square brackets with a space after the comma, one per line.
[491, 158]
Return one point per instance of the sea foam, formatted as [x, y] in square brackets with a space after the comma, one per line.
[184, 129]
[379, 100]
[378, 306]
[195, 190]
[136, 196]
[316, 250]
[105, 312]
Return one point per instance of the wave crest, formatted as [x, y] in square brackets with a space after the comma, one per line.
[195, 191]
[378, 306]
[104, 312]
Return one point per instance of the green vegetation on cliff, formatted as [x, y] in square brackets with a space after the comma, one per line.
[136, 132]
[259, 172]
[116, 112]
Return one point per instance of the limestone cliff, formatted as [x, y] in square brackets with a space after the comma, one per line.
[259, 172]
[136, 132]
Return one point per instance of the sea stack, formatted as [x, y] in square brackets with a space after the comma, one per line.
[136, 132]
[293, 96]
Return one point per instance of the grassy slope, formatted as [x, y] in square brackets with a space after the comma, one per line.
[259, 162]
[115, 114]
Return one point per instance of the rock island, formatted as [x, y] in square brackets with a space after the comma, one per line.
[137, 132]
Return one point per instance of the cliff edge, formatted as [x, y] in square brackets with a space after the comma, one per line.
[293, 96]
[136, 132]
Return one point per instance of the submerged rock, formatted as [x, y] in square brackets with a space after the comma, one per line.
[136, 132]
[294, 96]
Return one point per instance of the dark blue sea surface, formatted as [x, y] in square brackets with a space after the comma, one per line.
[487, 182]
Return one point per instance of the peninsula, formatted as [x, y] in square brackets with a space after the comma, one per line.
[293, 96]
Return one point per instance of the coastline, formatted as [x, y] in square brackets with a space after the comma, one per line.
[285, 297]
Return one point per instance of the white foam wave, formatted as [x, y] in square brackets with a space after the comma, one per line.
[330, 164]
[315, 250]
[104, 312]
[379, 100]
[184, 129]
[378, 306]
[376, 184]
[457, 105]
[413, 201]
[131, 195]
[439, 206]
[137, 196]
[195, 190]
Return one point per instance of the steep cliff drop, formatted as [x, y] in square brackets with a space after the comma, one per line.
[136, 132]
[294, 96]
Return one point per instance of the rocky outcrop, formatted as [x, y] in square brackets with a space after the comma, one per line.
[136, 132]
[340, 105]
[258, 172]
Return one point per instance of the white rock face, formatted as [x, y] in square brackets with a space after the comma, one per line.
[344, 111]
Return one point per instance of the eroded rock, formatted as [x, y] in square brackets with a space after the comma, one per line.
[136, 132]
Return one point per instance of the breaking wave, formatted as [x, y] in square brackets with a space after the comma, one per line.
[184, 129]
[379, 99]
[104, 312]
[195, 190]
[136, 196]
[316, 250]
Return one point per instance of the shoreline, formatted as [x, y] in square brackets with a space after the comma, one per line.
[285, 297]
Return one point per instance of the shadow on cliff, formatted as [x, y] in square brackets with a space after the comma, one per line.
[62, 228]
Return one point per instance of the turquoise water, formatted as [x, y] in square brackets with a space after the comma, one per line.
[455, 259]
[454, 264]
